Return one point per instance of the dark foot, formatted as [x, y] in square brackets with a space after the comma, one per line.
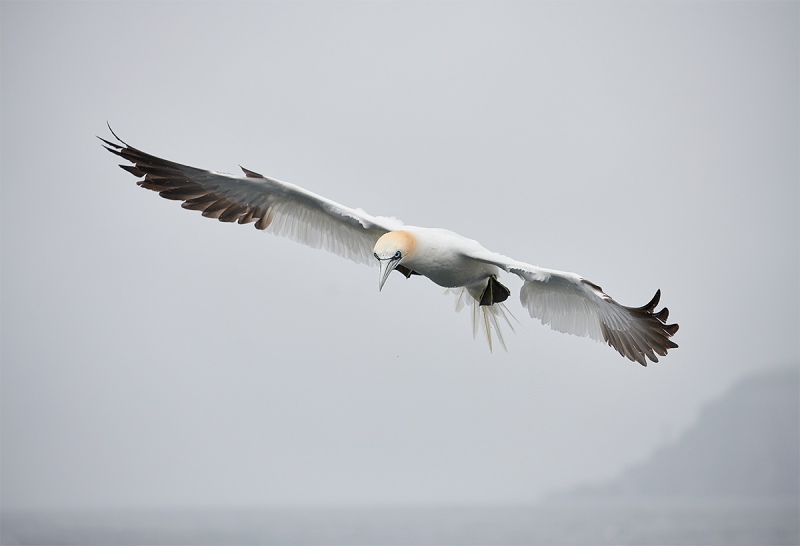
[494, 292]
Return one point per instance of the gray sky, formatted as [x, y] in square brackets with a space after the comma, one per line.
[152, 357]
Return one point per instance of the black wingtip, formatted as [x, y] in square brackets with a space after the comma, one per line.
[652, 304]
[648, 336]
[115, 134]
[662, 315]
[115, 145]
[110, 146]
[672, 329]
[138, 173]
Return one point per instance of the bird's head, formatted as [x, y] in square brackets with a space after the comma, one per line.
[391, 249]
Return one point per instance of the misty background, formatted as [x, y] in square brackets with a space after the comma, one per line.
[154, 358]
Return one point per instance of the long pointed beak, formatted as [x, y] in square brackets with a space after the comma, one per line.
[387, 266]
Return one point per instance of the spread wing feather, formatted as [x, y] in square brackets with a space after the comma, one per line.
[569, 303]
[277, 207]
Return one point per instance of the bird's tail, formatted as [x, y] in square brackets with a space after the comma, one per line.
[484, 317]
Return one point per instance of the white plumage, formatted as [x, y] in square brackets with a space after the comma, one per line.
[564, 301]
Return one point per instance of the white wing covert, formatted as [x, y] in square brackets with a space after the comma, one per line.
[277, 207]
[571, 304]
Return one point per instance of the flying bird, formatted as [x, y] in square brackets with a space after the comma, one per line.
[564, 301]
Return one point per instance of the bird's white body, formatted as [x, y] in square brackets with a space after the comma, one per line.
[564, 301]
[446, 258]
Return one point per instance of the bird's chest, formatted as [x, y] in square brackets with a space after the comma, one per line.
[450, 269]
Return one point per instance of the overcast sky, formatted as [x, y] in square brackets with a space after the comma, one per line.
[152, 357]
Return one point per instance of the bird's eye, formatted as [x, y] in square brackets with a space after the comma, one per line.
[398, 255]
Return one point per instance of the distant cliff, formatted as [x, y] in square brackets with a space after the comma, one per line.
[746, 443]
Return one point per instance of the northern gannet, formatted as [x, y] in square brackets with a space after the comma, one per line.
[564, 301]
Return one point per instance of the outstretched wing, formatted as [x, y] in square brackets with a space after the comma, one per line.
[569, 303]
[277, 207]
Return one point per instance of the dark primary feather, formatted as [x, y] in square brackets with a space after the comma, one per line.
[647, 334]
[192, 186]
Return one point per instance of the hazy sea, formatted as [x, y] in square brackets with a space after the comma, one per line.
[643, 522]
